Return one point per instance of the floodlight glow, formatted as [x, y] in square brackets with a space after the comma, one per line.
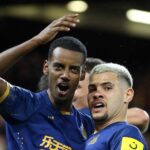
[77, 6]
[138, 16]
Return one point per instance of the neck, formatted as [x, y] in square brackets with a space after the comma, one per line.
[62, 105]
[103, 124]
[119, 117]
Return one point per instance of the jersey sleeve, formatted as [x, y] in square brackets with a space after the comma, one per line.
[18, 103]
[6, 93]
[129, 138]
[88, 123]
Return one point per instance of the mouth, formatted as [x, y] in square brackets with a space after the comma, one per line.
[97, 106]
[63, 89]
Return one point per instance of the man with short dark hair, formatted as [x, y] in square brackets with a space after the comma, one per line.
[47, 120]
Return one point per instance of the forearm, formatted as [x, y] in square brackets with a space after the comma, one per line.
[139, 118]
[12, 55]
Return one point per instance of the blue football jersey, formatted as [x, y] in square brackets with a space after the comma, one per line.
[33, 123]
[85, 111]
[117, 136]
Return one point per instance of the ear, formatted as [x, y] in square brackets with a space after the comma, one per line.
[83, 73]
[129, 95]
[45, 67]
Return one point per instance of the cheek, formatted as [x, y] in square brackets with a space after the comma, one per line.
[115, 102]
[52, 79]
[112, 96]
[82, 92]
[74, 81]
[85, 90]
[77, 93]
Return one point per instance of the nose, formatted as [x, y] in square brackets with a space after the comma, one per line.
[97, 95]
[65, 75]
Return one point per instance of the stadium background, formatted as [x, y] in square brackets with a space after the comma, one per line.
[104, 29]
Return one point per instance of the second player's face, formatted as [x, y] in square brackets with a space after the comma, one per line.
[106, 96]
[64, 72]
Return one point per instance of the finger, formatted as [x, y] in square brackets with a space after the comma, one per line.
[62, 23]
[66, 23]
[62, 28]
[72, 18]
[67, 18]
[75, 20]
[72, 15]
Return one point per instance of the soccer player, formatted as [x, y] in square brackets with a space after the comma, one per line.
[135, 115]
[110, 92]
[47, 120]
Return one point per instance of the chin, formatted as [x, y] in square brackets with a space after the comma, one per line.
[101, 118]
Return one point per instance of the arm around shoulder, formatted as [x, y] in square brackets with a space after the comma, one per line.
[139, 118]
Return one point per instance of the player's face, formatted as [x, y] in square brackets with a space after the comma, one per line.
[80, 96]
[106, 96]
[64, 72]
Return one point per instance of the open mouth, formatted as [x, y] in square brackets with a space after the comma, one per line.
[63, 89]
[97, 106]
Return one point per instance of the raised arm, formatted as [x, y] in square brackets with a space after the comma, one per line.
[139, 118]
[12, 55]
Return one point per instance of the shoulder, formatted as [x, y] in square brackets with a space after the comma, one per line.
[125, 129]
[83, 116]
[129, 127]
[124, 135]
[122, 129]
[85, 119]
[129, 134]
[85, 111]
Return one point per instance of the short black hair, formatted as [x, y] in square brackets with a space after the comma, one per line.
[70, 43]
[92, 62]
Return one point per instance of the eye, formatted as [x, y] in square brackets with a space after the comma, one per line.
[91, 88]
[75, 69]
[57, 67]
[108, 87]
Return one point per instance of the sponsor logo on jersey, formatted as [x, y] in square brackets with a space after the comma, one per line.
[131, 144]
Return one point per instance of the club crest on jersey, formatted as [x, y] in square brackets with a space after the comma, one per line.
[94, 140]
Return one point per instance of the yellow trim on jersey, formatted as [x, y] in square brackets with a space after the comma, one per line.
[131, 144]
[95, 131]
[6, 93]
[65, 112]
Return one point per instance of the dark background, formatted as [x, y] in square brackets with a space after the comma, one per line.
[103, 28]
